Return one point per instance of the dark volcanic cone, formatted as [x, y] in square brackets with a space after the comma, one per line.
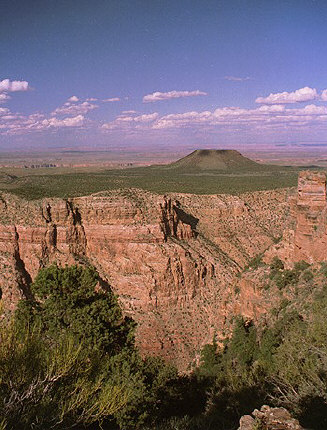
[215, 159]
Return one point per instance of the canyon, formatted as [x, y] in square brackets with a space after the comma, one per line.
[178, 263]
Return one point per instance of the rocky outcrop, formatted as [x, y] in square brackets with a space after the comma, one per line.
[175, 222]
[250, 299]
[269, 419]
[173, 261]
[307, 239]
[310, 241]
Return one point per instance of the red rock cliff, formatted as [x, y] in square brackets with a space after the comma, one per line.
[307, 239]
[310, 238]
[172, 260]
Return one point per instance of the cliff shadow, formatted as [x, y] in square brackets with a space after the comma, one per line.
[25, 278]
[186, 218]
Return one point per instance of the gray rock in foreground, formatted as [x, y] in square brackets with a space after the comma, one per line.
[269, 419]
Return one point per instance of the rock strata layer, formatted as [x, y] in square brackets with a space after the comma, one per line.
[307, 238]
[173, 261]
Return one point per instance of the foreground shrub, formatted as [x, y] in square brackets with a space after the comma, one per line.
[53, 384]
[68, 359]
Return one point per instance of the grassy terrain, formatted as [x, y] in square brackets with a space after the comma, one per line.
[38, 183]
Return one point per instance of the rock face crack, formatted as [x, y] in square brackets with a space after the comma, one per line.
[46, 213]
[77, 218]
[175, 222]
[76, 233]
[3, 202]
[25, 278]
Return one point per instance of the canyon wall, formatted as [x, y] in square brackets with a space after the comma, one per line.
[310, 239]
[172, 260]
[306, 237]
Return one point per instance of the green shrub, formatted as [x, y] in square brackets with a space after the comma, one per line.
[307, 276]
[73, 350]
[255, 262]
[55, 384]
[285, 278]
[276, 264]
[68, 300]
[276, 267]
[237, 290]
[300, 266]
[323, 268]
[277, 239]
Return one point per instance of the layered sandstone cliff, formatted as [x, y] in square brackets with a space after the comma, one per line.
[310, 240]
[307, 238]
[304, 239]
[172, 260]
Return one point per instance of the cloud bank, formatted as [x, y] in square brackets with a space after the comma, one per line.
[16, 124]
[263, 118]
[273, 115]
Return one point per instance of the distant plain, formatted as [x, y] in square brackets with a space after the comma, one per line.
[76, 173]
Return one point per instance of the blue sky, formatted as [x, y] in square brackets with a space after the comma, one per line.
[100, 74]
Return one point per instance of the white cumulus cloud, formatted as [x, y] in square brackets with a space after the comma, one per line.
[76, 121]
[18, 124]
[302, 95]
[146, 117]
[4, 111]
[124, 122]
[157, 96]
[74, 108]
[73, 99]
[324, 96]
[7, 86]
[4, 97]
[113, 99]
